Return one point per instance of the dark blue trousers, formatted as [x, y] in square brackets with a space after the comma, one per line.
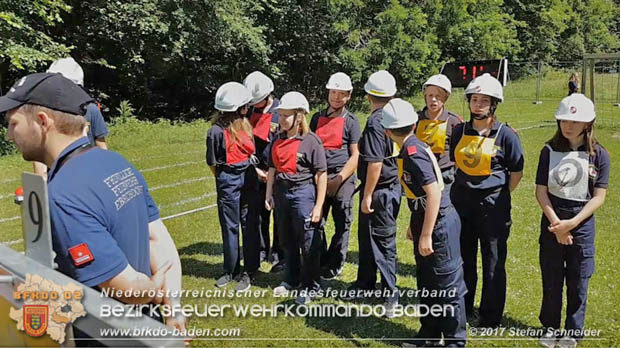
[233, 202]
[341, 205]
[573, 264]
[300, 238]
[261, 217]
[442, 270]
[485, 218]
[377, 240]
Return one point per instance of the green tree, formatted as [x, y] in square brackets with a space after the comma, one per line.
[473, 29]
[389, 35]
[25, 40]
[168, 57]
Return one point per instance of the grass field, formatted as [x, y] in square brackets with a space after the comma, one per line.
[172, 160]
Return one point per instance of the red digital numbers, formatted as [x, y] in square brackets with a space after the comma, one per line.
[475, 71]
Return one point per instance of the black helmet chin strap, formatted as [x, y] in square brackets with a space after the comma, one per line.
[491, 112]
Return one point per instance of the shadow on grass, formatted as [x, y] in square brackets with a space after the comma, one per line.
[201, 269]
[401, 268]
[205, 248]
[363, 331]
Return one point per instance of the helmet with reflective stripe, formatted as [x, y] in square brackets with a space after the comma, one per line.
[231, 96]
[381, 84]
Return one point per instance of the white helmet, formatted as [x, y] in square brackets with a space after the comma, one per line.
[487, 85]
[398, 113]
[576, 107]
[381, 84]
[231, 96]
[259, 84]
[68, 68]
[440, 80]
[294, 101]
[340, 81]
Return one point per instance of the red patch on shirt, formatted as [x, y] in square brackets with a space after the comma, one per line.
[284, 155]
[238, 151]
[261, 125]
[412, 150]
[81, 254]
[331, 130]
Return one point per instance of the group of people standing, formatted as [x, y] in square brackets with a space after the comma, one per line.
[457, 178]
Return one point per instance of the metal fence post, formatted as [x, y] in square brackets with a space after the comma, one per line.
[617, 103]
[538, 83]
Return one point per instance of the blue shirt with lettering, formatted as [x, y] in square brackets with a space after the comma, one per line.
[99, 199]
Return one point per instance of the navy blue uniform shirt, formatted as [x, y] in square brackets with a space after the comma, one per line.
[598, 174]
[98, 129]
[337, 134]
[452, 120]
[418, 169]
[376, 146]
[297, 159]
[224, 151]
[99, 199]
[508, 158]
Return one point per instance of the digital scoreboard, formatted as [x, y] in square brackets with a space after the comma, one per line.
[461, 73]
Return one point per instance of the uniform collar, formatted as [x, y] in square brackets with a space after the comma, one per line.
[412, 140]
[442, 117]
[494, 128]
[297, 137]
[345, 112]
[72, 147]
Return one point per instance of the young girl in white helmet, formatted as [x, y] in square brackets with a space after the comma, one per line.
[263, 117]
[571, 183]
[230, 151]
[489, 161]
[436, 123]
[296, 185]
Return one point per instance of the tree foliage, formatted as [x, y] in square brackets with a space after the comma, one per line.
[169, 56]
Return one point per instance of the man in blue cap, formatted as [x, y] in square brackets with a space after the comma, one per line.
[106, 229]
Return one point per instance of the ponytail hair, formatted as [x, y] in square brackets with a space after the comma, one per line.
[235, 123]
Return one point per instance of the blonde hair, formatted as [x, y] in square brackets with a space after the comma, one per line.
[234, 123]
[65, 123]
[303, 125]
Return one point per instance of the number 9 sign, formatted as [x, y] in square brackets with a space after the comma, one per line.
[36, 219]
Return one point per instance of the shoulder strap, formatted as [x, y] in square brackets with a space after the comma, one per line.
[74, 153]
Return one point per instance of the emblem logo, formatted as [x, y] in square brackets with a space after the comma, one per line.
[35, 319]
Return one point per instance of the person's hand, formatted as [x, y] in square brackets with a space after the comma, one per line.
[178, 322]
[425, 247]
[262, 175]
[316, 214]
[333, 185]
[564, 238]
[158, 279]
[409, 234]
[366, 203]
[269, 203]
[562, 226]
